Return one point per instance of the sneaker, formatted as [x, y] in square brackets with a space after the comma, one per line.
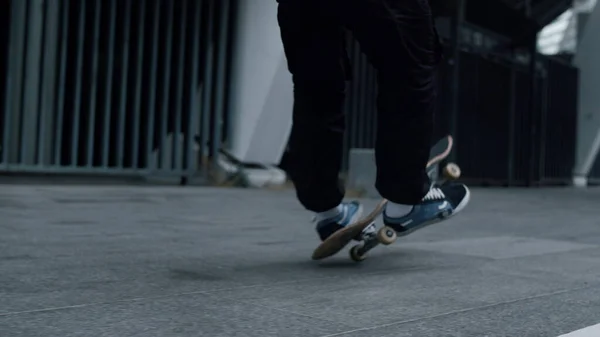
[440, 203]
[351, 212]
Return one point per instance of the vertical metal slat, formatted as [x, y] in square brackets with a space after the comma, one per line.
[166, 87]
[51, 24]
[207, 82]
[221, 73]
[138, 89]
[354, 111]
[152, 98]
[543, 120]
[14, 76]
[177, 127]
[61, 86]
[193, 109]
[80, 45]
[29, 126]
[349, 42]
[124, 78]
[510, 163]
[373, 107]
[109, 82]
[92, 111]
[362, 99]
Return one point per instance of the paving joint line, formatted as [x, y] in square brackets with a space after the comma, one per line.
[461, 311]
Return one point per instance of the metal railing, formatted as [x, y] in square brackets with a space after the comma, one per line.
[114, 86]
[500, 140]
[361, 102]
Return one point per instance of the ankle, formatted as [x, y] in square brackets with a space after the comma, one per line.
[329, 213]
[394, 210]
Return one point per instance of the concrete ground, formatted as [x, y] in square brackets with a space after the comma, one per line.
[167, 261]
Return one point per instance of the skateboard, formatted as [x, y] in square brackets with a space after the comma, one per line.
[385, 235]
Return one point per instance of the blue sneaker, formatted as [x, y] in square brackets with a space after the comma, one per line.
[440, 203]
[351, 212]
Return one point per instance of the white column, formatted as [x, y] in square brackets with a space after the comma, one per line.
[587, 59]
[261, 94]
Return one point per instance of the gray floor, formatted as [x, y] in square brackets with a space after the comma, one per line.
[155, 261]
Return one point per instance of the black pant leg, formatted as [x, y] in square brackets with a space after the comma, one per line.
[314, 47]
[400, 40]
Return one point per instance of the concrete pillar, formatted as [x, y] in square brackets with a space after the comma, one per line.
[587, 58]
[261, 93]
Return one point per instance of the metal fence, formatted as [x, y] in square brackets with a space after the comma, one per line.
[500, 139]
[360, 104]
[125, 87]
[504, 139]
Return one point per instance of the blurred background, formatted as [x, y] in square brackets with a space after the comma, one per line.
[198, 91]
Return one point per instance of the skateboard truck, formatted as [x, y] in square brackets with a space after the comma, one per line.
[385, 235]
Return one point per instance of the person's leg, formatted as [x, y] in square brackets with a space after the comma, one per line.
[313, 42]
[400, 40]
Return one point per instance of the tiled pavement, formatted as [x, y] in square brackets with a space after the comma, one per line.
[165, 261]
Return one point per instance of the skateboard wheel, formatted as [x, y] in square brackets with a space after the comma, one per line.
[355, 254]
[452, 171]
[386, 235]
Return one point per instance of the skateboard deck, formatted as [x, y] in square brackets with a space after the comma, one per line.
[338, 240]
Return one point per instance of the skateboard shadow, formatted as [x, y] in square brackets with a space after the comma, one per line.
[336, 264]
[374, 260]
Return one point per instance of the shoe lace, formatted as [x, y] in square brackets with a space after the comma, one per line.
[434, 194]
